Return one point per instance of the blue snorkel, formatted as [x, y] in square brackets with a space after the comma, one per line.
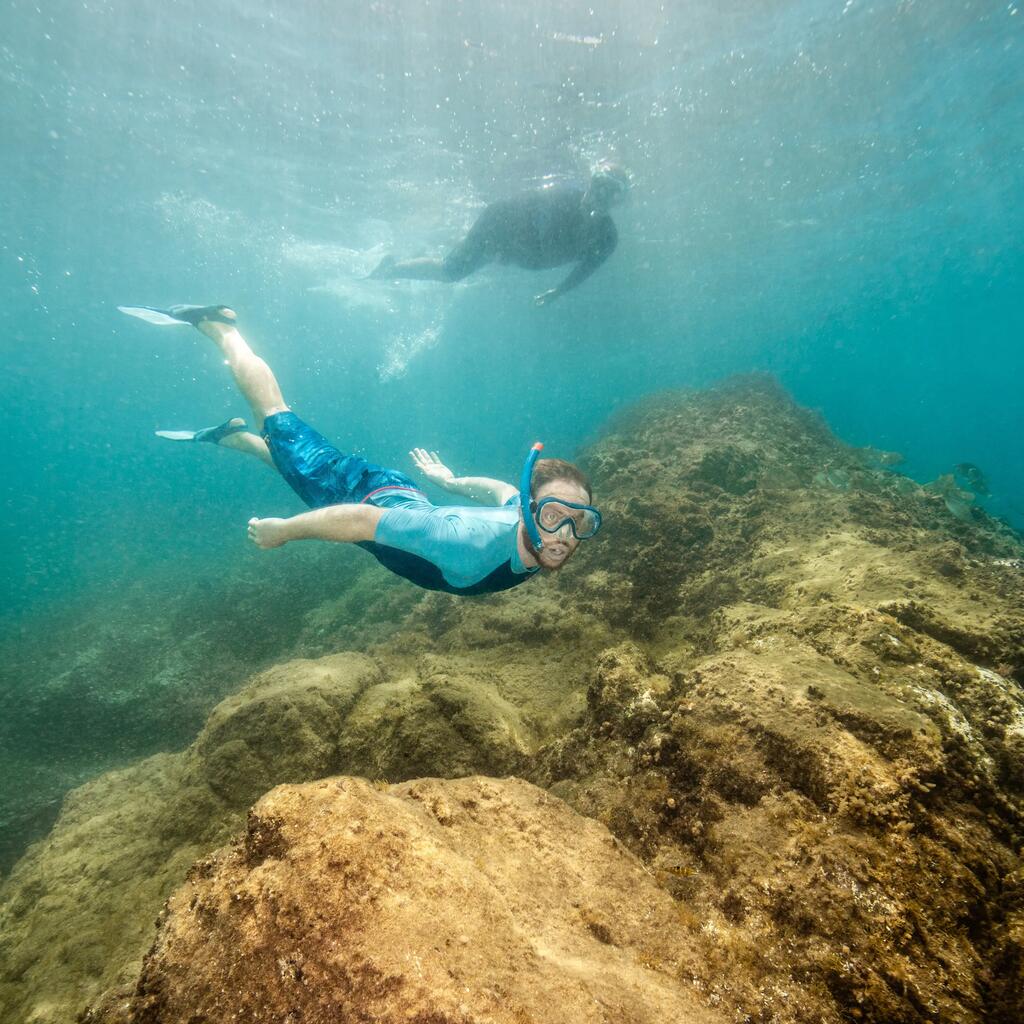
[526, 499]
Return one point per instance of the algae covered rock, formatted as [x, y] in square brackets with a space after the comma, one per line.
[435, 720]
[283, 727]
[624, 690]
[835, 817]
[126, 839]
[473, 900]
[786, 678]
[76, 911]
[136, 669]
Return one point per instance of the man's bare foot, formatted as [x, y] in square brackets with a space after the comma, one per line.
[220, 434]
[268, 533]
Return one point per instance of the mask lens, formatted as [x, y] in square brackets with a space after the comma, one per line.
[552, 515]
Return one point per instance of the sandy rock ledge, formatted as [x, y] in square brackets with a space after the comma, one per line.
[439, 902]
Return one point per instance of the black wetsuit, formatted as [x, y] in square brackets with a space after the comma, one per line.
[544, 228]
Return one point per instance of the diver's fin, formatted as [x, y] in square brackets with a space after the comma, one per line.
[211, 435]
[177, 435]
[383, 270]
[152, 316]
[191, 315]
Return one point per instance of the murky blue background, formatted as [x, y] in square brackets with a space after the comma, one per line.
[827, 190]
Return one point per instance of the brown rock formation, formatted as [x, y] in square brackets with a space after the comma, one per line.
[787, 679]
[78, 908]
[448, 902]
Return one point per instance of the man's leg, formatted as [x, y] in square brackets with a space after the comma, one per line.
[425, 268]
[254, 378]
[318, 473]
[465, 258]
[475, 250]
[231, 433]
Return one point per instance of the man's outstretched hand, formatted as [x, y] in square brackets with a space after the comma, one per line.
[430, 465]
[545, 297]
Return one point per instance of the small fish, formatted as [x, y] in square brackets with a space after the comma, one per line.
[877, 457]
[837, 478]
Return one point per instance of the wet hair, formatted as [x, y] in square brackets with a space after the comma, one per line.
[547, 471]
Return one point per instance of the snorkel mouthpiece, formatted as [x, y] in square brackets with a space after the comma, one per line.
[525, 499]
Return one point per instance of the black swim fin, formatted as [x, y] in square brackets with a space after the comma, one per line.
[211, 435]
[383, 270]
[190, 315]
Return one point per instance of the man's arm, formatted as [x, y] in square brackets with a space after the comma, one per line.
[586, 266]
[481, 489]
[342, 523]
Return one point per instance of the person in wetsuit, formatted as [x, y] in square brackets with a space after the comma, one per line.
[458, 549]
[543, 228]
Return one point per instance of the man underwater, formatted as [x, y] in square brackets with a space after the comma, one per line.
[460, 550]
[545, 227]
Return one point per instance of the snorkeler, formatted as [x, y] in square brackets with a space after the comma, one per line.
[545, 227]
[460, 550]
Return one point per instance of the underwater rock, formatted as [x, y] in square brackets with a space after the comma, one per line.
[434, 722]
[831, 819]
[477, 899]
[137, 669]
[125, 840]
[880, 459]
[799, 704]
[625, 691]
[76, 910]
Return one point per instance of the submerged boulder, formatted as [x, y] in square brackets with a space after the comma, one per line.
[76, 912]
[466, 901]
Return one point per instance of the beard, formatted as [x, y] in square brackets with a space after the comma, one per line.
[554, 565]
[541, 556]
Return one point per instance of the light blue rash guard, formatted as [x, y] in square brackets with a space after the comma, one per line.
[464, 551]
[459, 549]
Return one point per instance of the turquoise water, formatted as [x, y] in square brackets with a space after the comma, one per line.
[826, 190]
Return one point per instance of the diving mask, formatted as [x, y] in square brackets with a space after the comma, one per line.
[554, 513]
